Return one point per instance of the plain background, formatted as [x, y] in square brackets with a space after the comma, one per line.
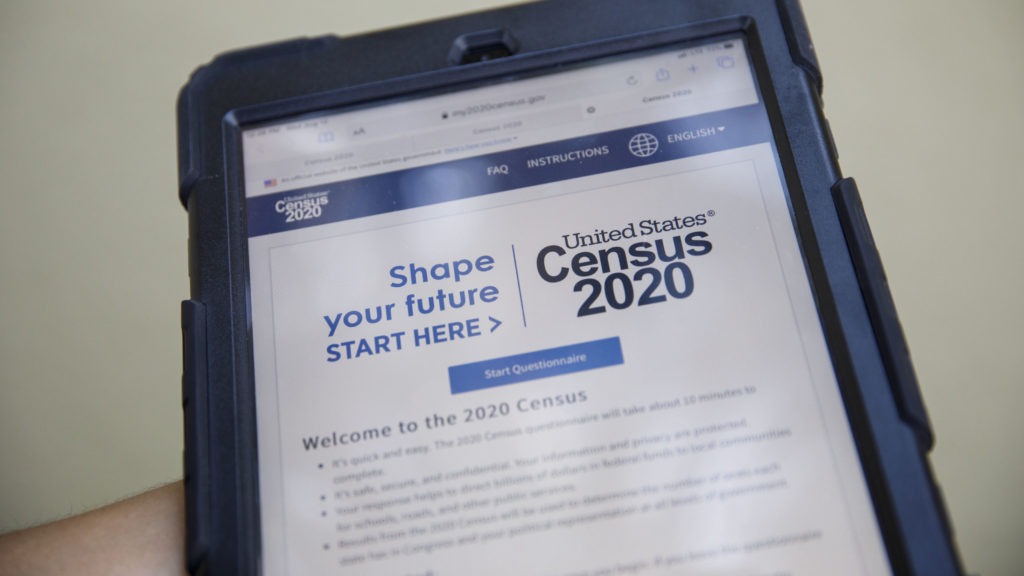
[925, 98]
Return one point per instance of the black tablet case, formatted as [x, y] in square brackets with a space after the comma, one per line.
[869, 352]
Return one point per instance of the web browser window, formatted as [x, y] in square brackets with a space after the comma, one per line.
[556, 325]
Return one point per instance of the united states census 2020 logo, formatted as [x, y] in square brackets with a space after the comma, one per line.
[305, 207]
[643, 145]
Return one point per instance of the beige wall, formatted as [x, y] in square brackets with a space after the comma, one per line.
[925, 99]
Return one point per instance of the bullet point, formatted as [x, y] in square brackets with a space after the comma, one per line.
[320, 465]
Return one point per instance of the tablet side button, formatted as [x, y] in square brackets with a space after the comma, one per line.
[194, 401]
[882, 310]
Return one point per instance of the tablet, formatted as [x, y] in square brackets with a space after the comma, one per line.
[570, 288]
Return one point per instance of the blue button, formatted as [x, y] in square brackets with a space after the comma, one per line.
[535, 365]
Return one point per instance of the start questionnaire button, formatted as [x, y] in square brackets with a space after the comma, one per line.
[535, 365]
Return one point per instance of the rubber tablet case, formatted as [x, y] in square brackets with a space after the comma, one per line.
[879, 387]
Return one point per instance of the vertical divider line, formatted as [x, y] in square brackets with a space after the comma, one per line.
[519, 286]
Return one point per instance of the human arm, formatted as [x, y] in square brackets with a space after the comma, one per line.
[141, 536]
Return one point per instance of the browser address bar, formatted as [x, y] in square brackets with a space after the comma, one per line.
[538, 103]
[417, 132]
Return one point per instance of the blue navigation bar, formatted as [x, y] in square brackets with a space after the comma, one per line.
[535, 365]
[522, 167]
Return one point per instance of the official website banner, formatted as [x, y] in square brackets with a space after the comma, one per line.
[630, 360]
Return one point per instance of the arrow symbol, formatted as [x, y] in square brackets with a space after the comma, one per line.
[721, 128]
[495, 321]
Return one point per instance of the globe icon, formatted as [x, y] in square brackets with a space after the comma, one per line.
[643, 145]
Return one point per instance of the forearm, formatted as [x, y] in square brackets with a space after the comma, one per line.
[140, 536]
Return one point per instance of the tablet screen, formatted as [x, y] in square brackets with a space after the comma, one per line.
[557, 324]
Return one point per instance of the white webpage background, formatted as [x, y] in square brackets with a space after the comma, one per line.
[750, 322]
